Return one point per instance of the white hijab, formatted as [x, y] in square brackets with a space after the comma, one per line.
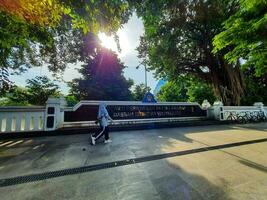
[102, 111]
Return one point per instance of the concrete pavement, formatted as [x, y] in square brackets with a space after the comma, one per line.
[239, 172]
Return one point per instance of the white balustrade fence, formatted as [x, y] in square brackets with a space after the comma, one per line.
[239, 110]
[51, 117]
[32, 118]
[21, 119]
[220, 112]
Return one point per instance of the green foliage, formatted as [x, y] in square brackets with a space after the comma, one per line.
[17, 96]
[71, 100]
[198, 92]
[175, 91]
[34, 33]
[8, 102]
[178, 41]
[44, 13]
[17, 38]
[185, 89]
[102, 78]
[36, 92]
[256, 90]
[181, 42]
[244, 36]
[139, 91]
[5, 83]
[40, 88]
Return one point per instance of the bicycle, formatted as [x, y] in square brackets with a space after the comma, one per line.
[261, 116]
[242, 118]
[232, 116]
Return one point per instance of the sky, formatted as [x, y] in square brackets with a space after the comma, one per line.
[129, 36]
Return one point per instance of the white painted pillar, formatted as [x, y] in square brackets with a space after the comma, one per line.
[210, 110]
[205, 104]
[36, 122]
[218, 110]
[18, 122]
[27, 122]
[53, 113]
[8, 122]
[260, 106]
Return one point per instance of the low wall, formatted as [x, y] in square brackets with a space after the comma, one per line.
[257, 112]
[22, 119]
[238, 110]
[57, 116]
[133, 110]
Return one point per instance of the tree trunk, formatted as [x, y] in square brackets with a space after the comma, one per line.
[228, 82]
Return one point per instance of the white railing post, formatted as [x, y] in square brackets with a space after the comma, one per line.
[63, 105]
[218, 110]
[210, 110]
[21, 118]
[8, 122]
[54, 116]
[205, 104]
[260, 106]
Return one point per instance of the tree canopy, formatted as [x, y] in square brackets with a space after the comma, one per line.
[245, 36]
[178, 41]
[40, 88]
[199, 91]
[256, 88]
[206, 39]
[87, 15]
[186, 89]
[45, 12]
[102, 78]
[174, 91]
[51, 32]
[36, 92]
[139, 92]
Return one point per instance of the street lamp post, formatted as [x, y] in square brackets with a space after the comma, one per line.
[144, 64]
[145, 76]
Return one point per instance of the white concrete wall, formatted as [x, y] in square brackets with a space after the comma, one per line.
[128, 121]
[221, 112]
[59, 105]
[34, 118]
[238, 110]
[21, 118]
[125, 103]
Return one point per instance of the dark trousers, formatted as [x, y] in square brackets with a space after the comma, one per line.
[102, 131]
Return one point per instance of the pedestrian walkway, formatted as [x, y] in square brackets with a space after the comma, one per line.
[207, 162]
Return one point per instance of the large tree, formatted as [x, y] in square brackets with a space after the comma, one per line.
[102, 78]
[40, 89]
[139, 91]
[17, 96]
[178, 40]
[199, 91]
[5, 83]
[174, 91]
[256, 88]
[36, 92]
[245, 36]
[186, 88]
[34, 33]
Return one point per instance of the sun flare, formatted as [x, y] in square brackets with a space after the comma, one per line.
[109, 42]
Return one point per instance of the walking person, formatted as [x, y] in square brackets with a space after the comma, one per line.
[103, 118]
